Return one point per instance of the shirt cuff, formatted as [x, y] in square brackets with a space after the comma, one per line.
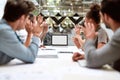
[36, 40]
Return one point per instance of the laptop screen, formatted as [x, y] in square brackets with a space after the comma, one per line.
[60, 39]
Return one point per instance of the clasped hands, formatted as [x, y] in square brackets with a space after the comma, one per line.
[37, 27]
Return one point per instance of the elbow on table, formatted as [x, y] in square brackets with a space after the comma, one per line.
[31, 60]
[93, 65]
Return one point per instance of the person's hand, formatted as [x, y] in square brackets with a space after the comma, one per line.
[37, 28]
[45, 27]
[29, 27]
[77, 29]
[89, 31]
[42, 46]
[77, 56]
[76, 42]
[39, 19]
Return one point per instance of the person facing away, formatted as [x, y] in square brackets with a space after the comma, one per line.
[109, 53]
[92, 16]
[15, 17]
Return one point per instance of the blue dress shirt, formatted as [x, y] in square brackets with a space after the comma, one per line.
[11, 47]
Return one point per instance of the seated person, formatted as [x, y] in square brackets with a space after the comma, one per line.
[109, 53]
[92, 16]
[11, 47]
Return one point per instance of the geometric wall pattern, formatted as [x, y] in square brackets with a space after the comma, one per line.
[61, 18]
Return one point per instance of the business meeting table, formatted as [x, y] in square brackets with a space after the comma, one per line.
[55, 63]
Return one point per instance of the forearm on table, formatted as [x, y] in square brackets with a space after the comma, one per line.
[99, 57]
[90, 53]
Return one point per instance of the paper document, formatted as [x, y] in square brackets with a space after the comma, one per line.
[47, 53]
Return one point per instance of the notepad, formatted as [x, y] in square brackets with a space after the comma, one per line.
[47, 49]
[65, 52]
[47, 56]
[47, 53]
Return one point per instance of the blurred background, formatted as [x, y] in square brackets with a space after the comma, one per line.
[62, 16]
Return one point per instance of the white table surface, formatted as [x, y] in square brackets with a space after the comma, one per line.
[57, 68]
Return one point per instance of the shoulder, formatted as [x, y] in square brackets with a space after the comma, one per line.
[115, 40]
[102, 36]
[102, 31]
[117, 34]
[4, 25]
[5, 30]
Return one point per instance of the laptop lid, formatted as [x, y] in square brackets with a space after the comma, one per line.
[59, 39]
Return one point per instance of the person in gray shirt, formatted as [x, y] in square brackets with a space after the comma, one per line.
[109, 53]
[16, 15]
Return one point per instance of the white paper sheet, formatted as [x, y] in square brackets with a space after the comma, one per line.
[47, 53]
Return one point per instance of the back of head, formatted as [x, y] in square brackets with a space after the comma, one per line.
[94, 13]
[14, 9]
[111, 8]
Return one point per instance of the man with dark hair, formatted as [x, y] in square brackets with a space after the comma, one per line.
[16, 15]
[110, 53]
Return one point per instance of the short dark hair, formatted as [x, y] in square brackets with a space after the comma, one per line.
[14, 9]
[112, 8]
[94, 13]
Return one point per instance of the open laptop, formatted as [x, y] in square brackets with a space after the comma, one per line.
[59, 40]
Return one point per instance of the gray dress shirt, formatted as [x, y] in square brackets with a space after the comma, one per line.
[110, 53]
